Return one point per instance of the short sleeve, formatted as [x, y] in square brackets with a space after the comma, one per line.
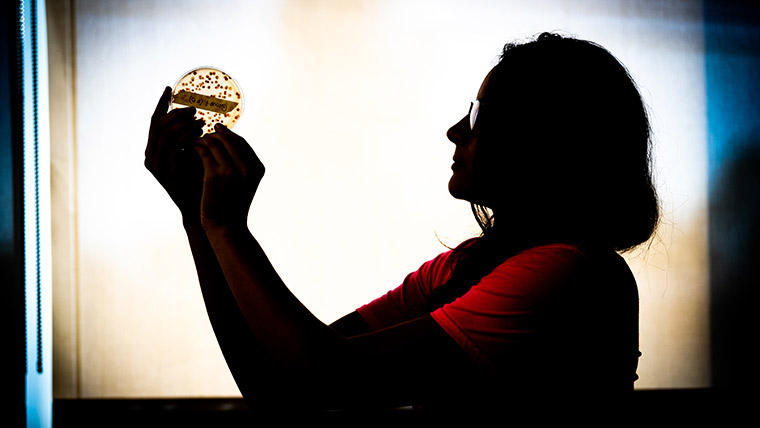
[408, 300]
[504, 309]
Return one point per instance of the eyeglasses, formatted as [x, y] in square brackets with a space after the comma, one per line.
[474, 108]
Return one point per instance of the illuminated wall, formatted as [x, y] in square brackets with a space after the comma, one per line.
[348, 103]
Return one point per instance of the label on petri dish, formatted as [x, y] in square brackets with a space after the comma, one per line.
[214, 93]
[210, 103]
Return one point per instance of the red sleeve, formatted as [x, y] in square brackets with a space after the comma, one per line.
[407, 301]
[502, 309]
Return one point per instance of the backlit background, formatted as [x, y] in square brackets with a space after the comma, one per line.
[347, 104]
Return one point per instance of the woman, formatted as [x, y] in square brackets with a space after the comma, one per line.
[554, 157]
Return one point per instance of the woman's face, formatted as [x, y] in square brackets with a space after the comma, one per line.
[462, 184]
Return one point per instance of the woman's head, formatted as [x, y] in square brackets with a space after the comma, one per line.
[560, 148]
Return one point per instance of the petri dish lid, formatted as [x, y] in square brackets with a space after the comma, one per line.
[216, 96]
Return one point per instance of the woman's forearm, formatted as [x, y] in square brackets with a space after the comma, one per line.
[246, 359]
[292, 335]
[316, 367]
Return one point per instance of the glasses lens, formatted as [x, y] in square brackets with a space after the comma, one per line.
[474, 107]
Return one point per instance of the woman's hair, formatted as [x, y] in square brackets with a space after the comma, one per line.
[563, 153]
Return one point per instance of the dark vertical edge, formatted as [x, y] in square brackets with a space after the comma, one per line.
[732, 79]
[12, 308]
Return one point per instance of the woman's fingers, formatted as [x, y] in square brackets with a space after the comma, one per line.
[158, 129]
[215, 152]
[229, 152]
[159, 121]
[162, 106]
[207, 159]
[158, 113]
[242, 154]
[170, 140]
[173, 136]
[230, 177]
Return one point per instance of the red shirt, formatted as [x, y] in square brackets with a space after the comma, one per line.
[554, 303]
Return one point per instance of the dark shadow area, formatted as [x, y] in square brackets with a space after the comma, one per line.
[13, 394]
[647, 407]
[151, 413]
[734, 255]
[203, 412]
[732, 67]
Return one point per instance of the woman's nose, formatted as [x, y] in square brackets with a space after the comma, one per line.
[457, 134]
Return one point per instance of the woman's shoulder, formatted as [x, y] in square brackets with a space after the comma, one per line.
[557, 264]
[556, 248]
[578, 269]
[446, 259]
[558, 254]
[566, 253]
[542, 267]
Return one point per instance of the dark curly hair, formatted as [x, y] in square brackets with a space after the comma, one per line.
[565, 146]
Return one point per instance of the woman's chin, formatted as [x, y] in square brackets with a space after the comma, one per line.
[462, 189]
[459, 189]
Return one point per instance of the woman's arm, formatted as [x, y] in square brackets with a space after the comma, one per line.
[170, 158]
[351, 325]
[390, 367]
[248, 362]
[280, 354]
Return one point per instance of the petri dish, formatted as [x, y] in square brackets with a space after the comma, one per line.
[216, 96]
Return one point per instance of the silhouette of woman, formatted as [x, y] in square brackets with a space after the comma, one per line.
[554, 157]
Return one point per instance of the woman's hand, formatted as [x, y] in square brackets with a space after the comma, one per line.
[169, 157]
[231, 174]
